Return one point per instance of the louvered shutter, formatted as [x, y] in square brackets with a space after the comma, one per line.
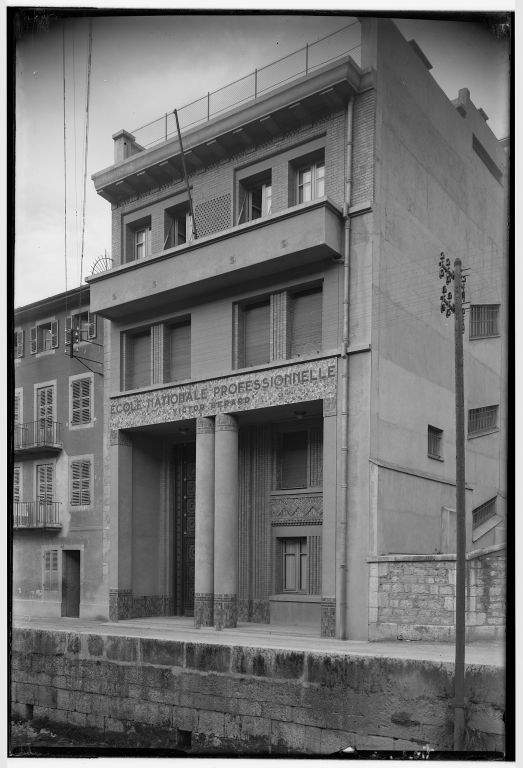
[54, 334]
[91, 319]
[81, 401]
[80, 482]
[17, 409]
[140, 362]
[68, 328]
[316, 456]
[293, 460]
[19, 343]
[16, 484]
[45, 483]
[45, 406]
[179, 352]
[34, 340]
[306, 323]
[256, 334]
[51, 570]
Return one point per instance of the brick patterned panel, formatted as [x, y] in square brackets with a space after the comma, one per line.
[303, 508]
[213, 215]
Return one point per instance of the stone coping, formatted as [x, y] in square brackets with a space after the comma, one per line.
[435, 558]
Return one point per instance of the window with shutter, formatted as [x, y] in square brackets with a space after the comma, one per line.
[138, 359]
[81, 401]
[44, 337]
[80, 482]
[44, 483]
[17, 476]
[255, 334]
[177, 352]
[50, 582]
[306, 322]
[19, 343]
[45, 411]
[78, 326]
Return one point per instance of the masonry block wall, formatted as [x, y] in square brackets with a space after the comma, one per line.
[248, 700]
[414, 598]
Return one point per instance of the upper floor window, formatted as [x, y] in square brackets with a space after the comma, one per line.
[482, 420]
[80, 481]
[17, 483]
[18, 406]
[484, 320]
[136, 362]
[253, 333]
[255, 198]
[81, 405]
[299, 458]
[311, 181]
[82, 325]
[45, 406]
[305, 314]
[19, 343]
[177, 352]
[44, 337]
[434, 439]
[138, 239]
[178, 226]
[483, 513]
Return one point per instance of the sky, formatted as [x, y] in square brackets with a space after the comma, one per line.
[143, 66]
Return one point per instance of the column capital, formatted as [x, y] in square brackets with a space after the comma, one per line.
[226, 423]
[204, 425]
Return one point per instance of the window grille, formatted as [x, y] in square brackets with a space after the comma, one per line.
[483, 419]
[484, 320]
[483, 513]
[80, 482]
[434, 436]
[81, 401]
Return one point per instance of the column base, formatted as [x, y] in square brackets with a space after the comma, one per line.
[120, 604]
[328, 617]
[203, 609]
[225, 611]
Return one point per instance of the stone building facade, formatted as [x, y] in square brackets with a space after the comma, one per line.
[57, 459]
[278, 386]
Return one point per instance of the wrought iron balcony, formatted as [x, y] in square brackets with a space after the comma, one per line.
[38, 437]
[36, 514]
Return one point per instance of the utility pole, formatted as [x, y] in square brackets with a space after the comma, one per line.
[448, 307]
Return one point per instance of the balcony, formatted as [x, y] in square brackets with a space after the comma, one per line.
[37, 437]
[302, 235]
[36, 514]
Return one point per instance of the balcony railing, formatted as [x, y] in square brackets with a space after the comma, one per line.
[38, 435]
[305, 60]
[36, 514]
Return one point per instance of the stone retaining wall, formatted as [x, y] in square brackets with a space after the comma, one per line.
[412, 597]
[248, 700]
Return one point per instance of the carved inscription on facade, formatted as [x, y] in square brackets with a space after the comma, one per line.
[302, 508]
[313, 380]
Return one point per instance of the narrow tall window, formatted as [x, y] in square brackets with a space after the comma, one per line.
[81, 401]
[311, 181]
[137, 363]
[482, 420]
[50, 570]
[142, 243]
[17, 476]
[252, 333]
[306, 322]
[177, 352]
[295, 565]
[45, 413]
[434, 439]
[484, 320]
[80, 482]
[45, 492]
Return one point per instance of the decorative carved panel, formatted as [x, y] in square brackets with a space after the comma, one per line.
[298, 509]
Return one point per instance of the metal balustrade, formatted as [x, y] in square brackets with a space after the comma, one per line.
[304, 61]
[36, 514]
[37, 434]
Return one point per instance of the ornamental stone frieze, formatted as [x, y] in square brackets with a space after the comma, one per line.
[298, 509]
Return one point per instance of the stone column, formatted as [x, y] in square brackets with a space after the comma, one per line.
[204, 525]
[120, 573]
[226, 522]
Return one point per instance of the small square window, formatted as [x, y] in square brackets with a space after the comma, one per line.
[483, 513]
[138, 239]
[435, 439]
[44, 337]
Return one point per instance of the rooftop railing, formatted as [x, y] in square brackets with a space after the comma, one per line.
[305, 60]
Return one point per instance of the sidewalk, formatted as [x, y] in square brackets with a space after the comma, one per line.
[270, 636]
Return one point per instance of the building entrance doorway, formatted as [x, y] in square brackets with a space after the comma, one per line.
[184, 477]
[71, 582]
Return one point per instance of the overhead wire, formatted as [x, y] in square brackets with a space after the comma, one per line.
[65, 167]
[86, 143]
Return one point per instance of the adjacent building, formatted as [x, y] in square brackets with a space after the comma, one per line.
[57, 454]
[278, 379]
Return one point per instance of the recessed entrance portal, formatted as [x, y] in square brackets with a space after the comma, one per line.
[71, 582]
[184, 490]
